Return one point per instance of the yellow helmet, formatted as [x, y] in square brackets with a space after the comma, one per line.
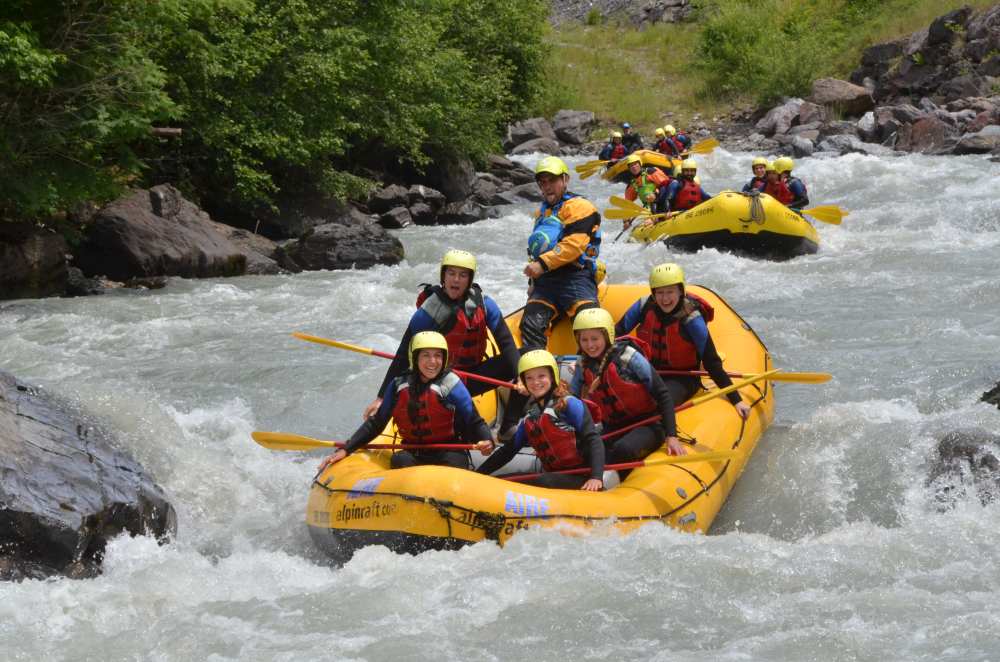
[670, 130]
[427, 340]
[784, 164]
[665, 274]
[770, 167]
[601, 272]
[616, 134]
[689, 164]
[538, 358]
[552, 165]
[633, 158]
[660, 133]
[457, 258]
[595, 318]
[760, 160]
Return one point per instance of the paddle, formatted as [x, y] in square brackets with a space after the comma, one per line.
[384, 355]
[711, 456]
[694, 402]
[614, 213]
[630, 205]
[801, 377]
[831, 214]
[282, 441]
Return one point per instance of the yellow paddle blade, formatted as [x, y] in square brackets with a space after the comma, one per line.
[625, 203]
[827, 213]
[802, 377]
[621, 214]
[706, 146]
[589, 173]
[710, 456]
[281, 441]
[591, 165]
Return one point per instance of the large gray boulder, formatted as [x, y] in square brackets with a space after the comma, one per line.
[260, 251]
[338, 246]
[32, 262]
[451, 175]
[156, 232]
[532, 128]
[573, 126]
[462, 213]
[932, 135]
[67, 488]
[986, 140]
[541, 145]
[780, 118]
[846, 97]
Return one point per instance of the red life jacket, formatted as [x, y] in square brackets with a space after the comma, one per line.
[434, 419]
[678, 145]
[779, 191]
[621, 401]
[553, 439]
[669, 350]
[618, 152]
[463, 325]
[688, 197]
[666, 146]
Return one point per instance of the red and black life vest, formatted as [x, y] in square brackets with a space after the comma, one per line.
[431, 420]
[668, 348]
[779, 191]
[463, 324]
[621, 400]
[553, 439]
[618, 152]
[688, 196]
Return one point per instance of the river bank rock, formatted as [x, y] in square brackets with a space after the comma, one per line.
[259, 251]
[67, 488]
[156, 232]
[340, 246]
[32, 262]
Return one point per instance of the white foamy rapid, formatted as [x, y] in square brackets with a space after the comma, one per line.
[829, 548]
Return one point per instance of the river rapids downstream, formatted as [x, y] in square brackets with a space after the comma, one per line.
[831, 547]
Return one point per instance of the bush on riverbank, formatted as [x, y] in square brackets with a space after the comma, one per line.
[274, 96]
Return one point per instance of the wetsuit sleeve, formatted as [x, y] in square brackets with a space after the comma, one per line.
[704, 194]
[419, 321]
[581, 221]
[629, 320]
[504, 453]
[748, 186]
[472, 424]
[605, 154]
[501, 333]
[588, 441]
[643, 371]
[374, 425]
[798, 189]
[697, 332]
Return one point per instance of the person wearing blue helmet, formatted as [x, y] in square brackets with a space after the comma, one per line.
[631, 139]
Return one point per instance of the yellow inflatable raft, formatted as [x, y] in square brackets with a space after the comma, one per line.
[755, 225]
[360, 501]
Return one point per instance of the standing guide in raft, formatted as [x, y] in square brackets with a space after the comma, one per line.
[563, 249]
[557, 425]
[625, 387]
[630, 138]
[458, 309]
[430, 405]
[674, 325]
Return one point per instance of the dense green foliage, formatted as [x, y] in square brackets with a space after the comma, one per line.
[766, 49]
[274, 96]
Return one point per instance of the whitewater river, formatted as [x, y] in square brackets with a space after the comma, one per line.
[830, 547]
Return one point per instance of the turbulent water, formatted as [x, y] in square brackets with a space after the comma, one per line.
[830, 547]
